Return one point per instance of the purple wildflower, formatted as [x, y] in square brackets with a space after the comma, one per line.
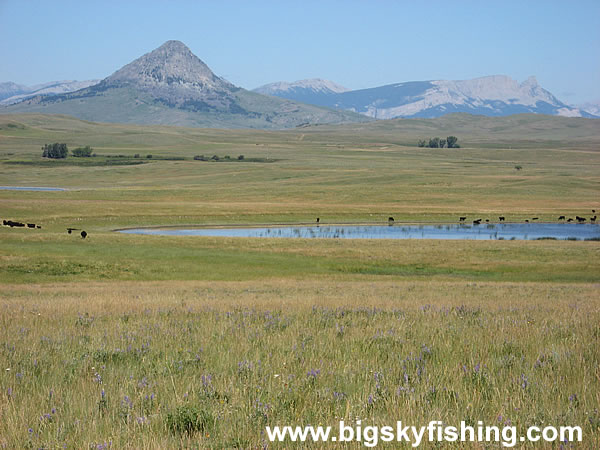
[313, 373]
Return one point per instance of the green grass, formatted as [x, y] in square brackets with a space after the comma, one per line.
[200, 342]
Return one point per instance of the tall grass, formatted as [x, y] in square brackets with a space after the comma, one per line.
[210, 365]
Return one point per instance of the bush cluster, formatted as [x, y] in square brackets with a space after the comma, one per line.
[436, 142]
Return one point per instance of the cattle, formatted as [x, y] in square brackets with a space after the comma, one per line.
[561, 218]
[72, 229]
[39, 227]
[580, 219]
[569, 220]
[593, 211]
[535, 218]
[501, 218]
[477, 222]
[462, 219]
[318, 219]
[593, 219]
[390, 220]
[31, 225]
[83, 235]
[487, 220]
[526, 220]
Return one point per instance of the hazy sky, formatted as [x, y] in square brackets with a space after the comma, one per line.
[357, 44]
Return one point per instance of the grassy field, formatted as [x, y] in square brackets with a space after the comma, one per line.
[127, 341]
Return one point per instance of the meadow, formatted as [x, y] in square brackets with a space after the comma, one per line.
[125, 341]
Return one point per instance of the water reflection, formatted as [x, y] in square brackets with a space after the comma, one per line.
[508, 231]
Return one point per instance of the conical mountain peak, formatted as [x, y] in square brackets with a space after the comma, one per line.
[171, 64]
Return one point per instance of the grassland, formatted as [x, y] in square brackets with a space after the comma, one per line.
[111, 340]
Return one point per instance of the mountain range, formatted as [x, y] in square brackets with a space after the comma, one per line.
[496, 95]
[172, 86]
[13, 93]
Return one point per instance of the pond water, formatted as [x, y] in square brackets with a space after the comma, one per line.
[29, 188]
[527, 231]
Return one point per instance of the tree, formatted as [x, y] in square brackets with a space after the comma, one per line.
[442, 143]
[55, 151]
[452, 142]
[82, 151]
[421, 143]
[434, 143]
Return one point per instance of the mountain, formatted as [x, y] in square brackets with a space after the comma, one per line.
[305, 91]
[13, 93]
[591, 108]
[496, 95]
[172, 86]
[9, 89]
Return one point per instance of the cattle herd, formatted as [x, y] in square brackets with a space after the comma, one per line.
[578, 219]
[16, 224]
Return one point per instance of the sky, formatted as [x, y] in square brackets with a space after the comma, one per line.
[358, 44]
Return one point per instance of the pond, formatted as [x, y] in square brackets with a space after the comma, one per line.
[521, 231]
[29, 188]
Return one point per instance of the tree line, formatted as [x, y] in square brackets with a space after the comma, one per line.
[436, 142]
[59, 151]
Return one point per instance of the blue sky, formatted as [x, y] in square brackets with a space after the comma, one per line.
[358, 44]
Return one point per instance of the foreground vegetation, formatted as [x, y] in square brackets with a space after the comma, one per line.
[160, 365]
[130, 341]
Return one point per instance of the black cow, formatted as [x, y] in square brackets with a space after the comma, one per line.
[501, 218]
[390, 220]
[487, 220]
[526, 220]
[593, 219]
[462, 219]
[535, 218]
[569, 220]
[72, 229]
[477, 222]
[561, 218]
[83, 235]
[318, 219]
[31, 225]
[580, 219]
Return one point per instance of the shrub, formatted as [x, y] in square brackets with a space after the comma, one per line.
[199, 158]
[149, 156]
[82, 151]
[137, 155]
[215, 158]
[241, 158]
[189, 419]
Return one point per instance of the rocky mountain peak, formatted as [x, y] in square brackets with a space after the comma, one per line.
[171, 64]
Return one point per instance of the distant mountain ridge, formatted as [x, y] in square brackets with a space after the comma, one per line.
[496, 95]
[172, 86]
[13, 93]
